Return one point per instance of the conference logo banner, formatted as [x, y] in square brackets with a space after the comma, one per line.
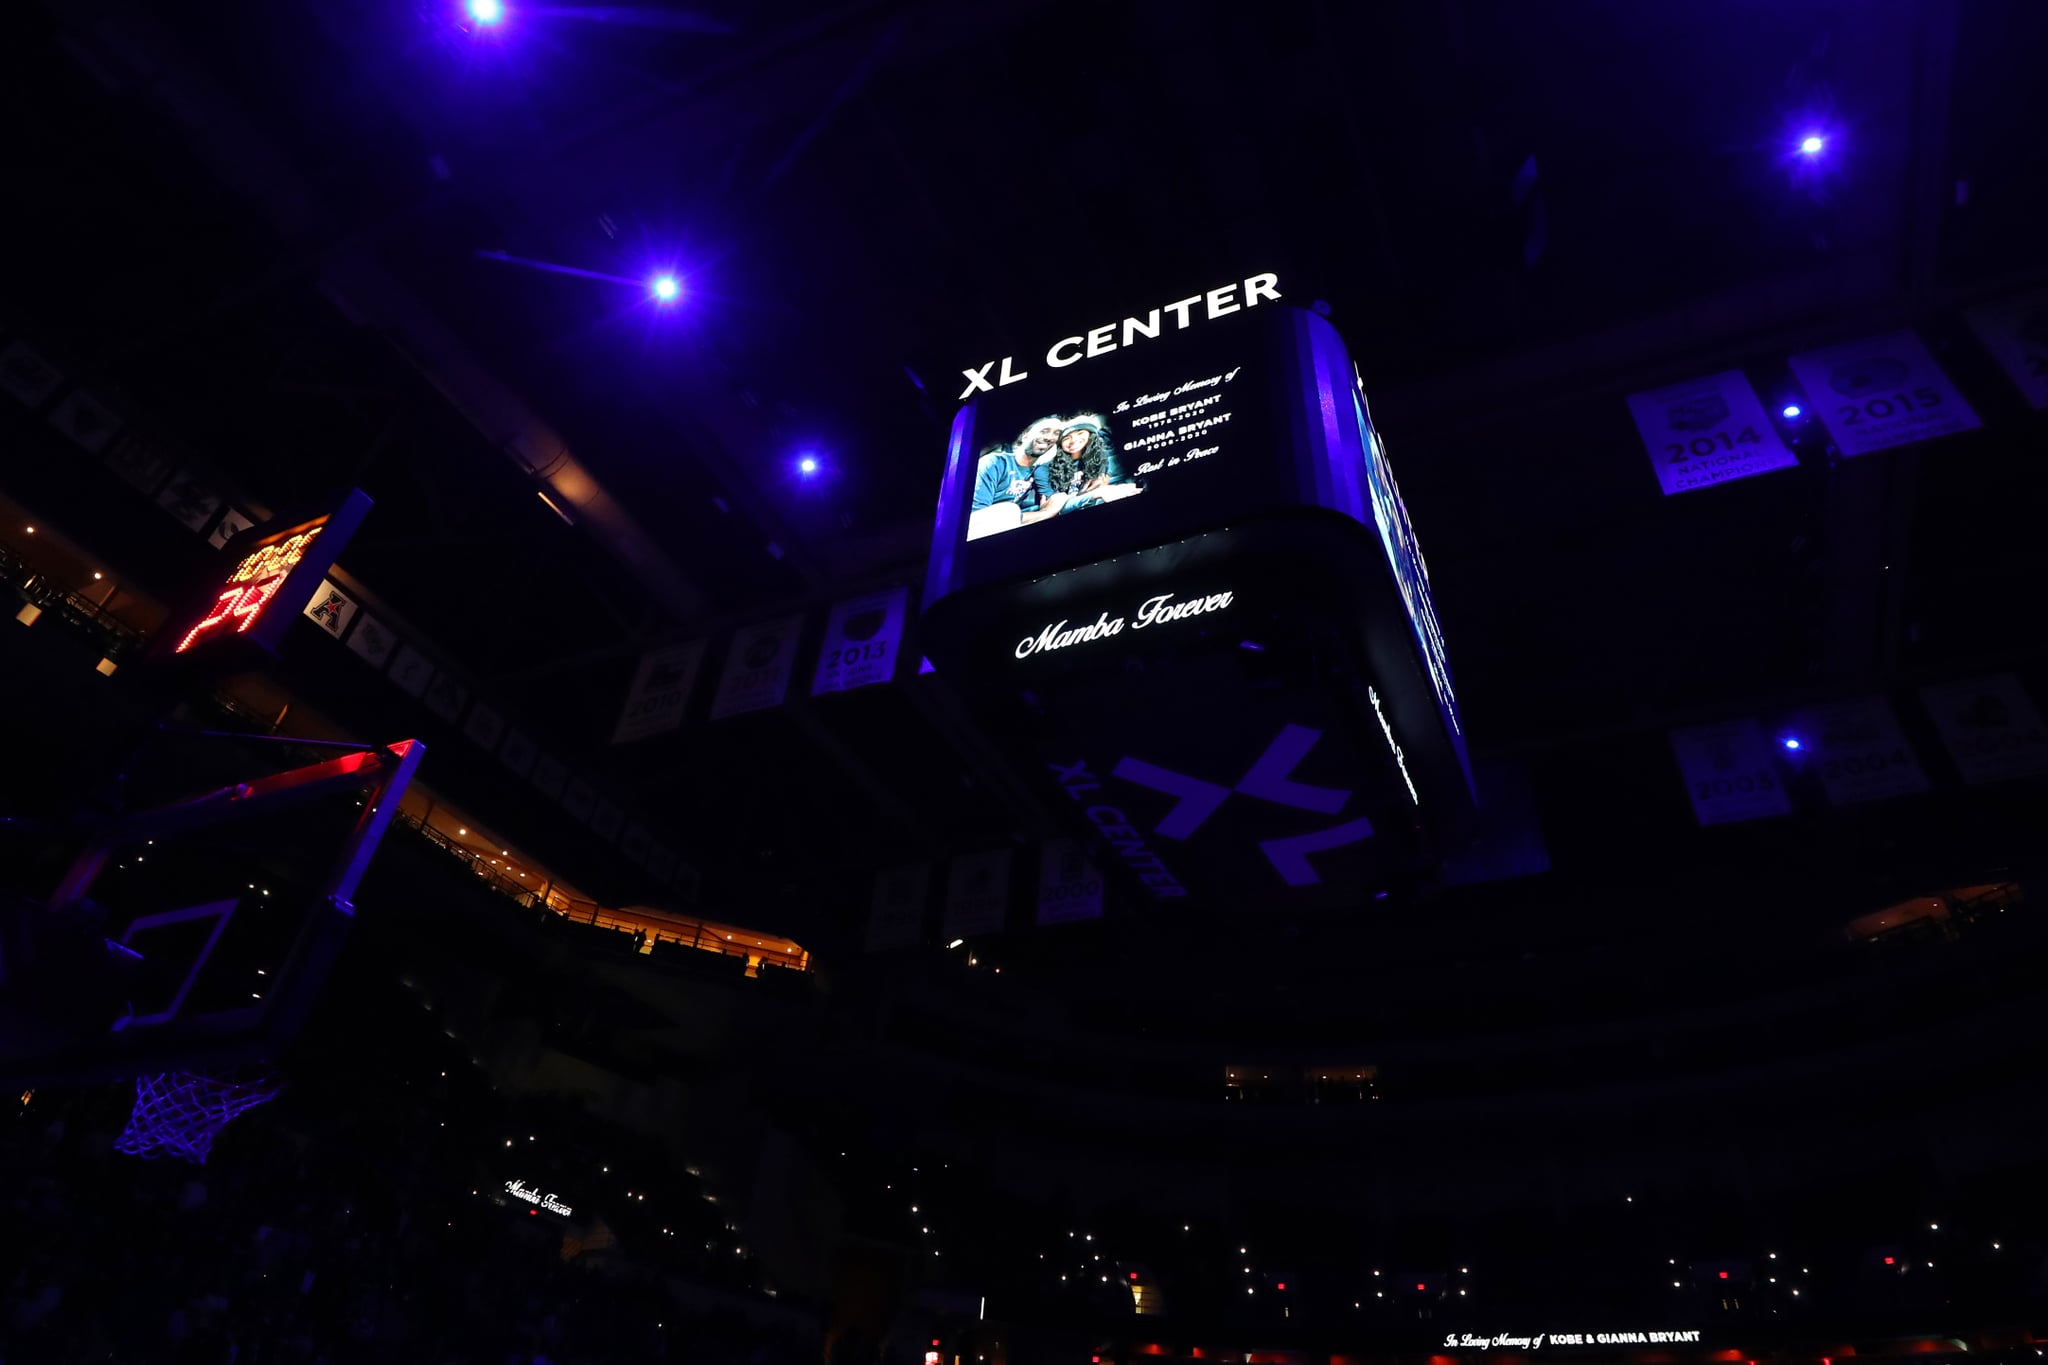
[1990, 728]
[661, 690]
[1859, 750]
[758, 666]
[1707, 431]
[1881, 392]
[331, 609]
[1069, 884]
[1729, 773]
[977, 894]
[863, 639]
[896, 918]
[2016, 334]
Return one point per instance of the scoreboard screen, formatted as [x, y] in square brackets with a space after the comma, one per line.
[1172, 559]
[276, 572]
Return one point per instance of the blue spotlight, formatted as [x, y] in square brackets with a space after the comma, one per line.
[1792, 742]
[1813, 144]
[486, 12]
[667, 288]
[1792, 411]
[807, 465]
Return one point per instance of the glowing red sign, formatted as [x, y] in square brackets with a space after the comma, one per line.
[249, 589]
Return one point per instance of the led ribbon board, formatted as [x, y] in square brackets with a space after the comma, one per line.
[278, 572]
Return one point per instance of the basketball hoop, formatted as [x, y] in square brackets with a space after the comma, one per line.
[180, 1113]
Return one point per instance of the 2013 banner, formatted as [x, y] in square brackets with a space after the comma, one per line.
[863, 640]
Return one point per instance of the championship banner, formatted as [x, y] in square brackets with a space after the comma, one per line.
[373, 640]
[1990, 728]
[1706, 431]
[550, 776]
[758, 666]
[143, 465]
[2016, 334]
[896, 919]
[579, 798]
[331, 609]
[26, 376]
[445, 696]
[518, 752]
[977, 894]
[1069, 884]
[607, 820]
[1881, 392]
[1859, 749]
[484, 728]
[85, 420]
[661, 689]
[1729, 773]
[863, 638]
[661, 862]
[410, 670]
[232, 523]
[188, 499]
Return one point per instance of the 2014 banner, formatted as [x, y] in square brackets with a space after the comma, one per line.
[1707, 431]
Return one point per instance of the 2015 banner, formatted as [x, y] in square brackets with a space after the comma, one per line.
[1881, 392]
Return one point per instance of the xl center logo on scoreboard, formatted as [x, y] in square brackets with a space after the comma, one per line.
[1270, 778]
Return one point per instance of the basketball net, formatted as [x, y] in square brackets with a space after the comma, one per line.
[179, 1113]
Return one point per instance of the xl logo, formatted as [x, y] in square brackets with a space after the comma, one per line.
[1270, 778]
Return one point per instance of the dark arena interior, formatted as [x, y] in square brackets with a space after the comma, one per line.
[747, 683]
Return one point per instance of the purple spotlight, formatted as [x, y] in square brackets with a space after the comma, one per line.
[486, 12]
[807, 465]
[1792, 411]
[1792, 742]
[667, 288]
[1813, 144]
